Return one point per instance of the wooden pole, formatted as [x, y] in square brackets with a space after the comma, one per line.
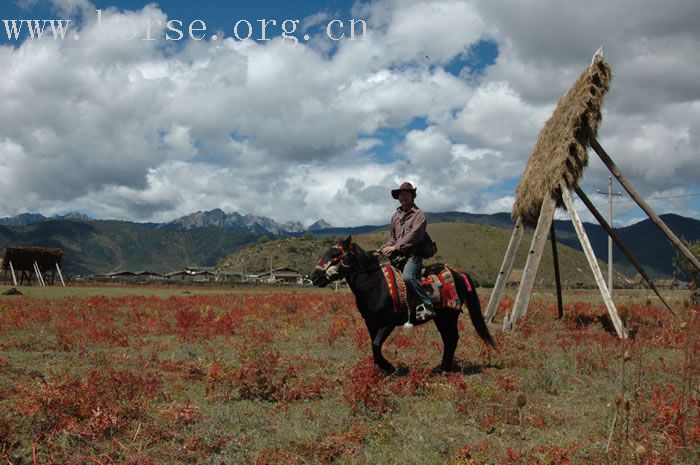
[60, 275]
[642, 203]
[38, 273]
[539, 239]
[14, 278]
[590, 255]
[505, 270]
[616, 239]
[557, 278]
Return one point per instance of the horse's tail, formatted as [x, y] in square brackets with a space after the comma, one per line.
[466, 289]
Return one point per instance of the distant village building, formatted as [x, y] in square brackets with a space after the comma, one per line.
[198, 269]
[282, 275]
[181, 275]
[203, 276]
[194, 274]
[152, 275]
[121, 274]
[207, 274]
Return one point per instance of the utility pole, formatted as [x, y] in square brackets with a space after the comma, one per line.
[610, 242]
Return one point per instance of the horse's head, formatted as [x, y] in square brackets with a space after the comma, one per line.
[335, 263]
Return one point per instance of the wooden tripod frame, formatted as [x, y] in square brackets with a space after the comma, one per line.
[545, 225]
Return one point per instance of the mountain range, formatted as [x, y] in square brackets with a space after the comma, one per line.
[199, 219]
[466, 246]
[205, 238]
[644, 240]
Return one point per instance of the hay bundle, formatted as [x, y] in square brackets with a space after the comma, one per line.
[561, 148]
[23, 258]
[12, 291]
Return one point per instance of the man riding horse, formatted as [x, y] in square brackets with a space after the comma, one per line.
[408, 235]
[377, 288]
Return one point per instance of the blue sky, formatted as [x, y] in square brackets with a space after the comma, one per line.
[448, 94]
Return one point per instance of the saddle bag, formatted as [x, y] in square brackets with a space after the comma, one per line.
[427, 247]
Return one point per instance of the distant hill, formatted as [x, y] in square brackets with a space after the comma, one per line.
[248, 222]
[200, 219]
[205, 238]
[500, 220]
[644, 240]
[26, 219]
[299, 253]
[475, 248]
[102, 246]
[320, 224]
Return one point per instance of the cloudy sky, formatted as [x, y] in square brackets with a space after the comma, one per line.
[447, 94]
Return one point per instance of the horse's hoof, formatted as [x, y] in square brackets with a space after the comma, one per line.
[440, 369]
[387, 369]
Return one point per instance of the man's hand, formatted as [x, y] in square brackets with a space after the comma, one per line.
[388, 250]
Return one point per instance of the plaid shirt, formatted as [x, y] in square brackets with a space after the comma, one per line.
[407, 228]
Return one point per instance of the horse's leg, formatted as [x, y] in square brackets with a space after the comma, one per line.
[446, 322]
[379, 334]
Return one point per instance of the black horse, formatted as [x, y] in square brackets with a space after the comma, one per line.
[362, 272]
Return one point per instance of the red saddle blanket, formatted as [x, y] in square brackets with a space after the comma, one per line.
[438, 281]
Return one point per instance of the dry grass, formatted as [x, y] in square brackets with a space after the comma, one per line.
[561, 148]
[285, 378]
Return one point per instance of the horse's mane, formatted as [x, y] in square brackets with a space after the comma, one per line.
[363, 253]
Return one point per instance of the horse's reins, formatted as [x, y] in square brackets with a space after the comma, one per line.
[349, 253]
[363, 270]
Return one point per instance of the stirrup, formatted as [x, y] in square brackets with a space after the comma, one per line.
[424, 313]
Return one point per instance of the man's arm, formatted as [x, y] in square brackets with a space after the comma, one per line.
[392, 232]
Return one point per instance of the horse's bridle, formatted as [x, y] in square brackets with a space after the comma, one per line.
[350, 252]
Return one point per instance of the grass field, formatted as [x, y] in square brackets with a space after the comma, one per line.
[282, 376]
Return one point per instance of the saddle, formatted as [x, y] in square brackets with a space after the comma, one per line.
[437, 281]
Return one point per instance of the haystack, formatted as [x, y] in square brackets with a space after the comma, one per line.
[23, 258]
[561, 148]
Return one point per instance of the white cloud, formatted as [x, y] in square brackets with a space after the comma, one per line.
[150, 131]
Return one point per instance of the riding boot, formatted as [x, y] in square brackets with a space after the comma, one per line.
[411, 274]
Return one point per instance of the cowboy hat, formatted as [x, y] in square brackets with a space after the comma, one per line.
[406, 186]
